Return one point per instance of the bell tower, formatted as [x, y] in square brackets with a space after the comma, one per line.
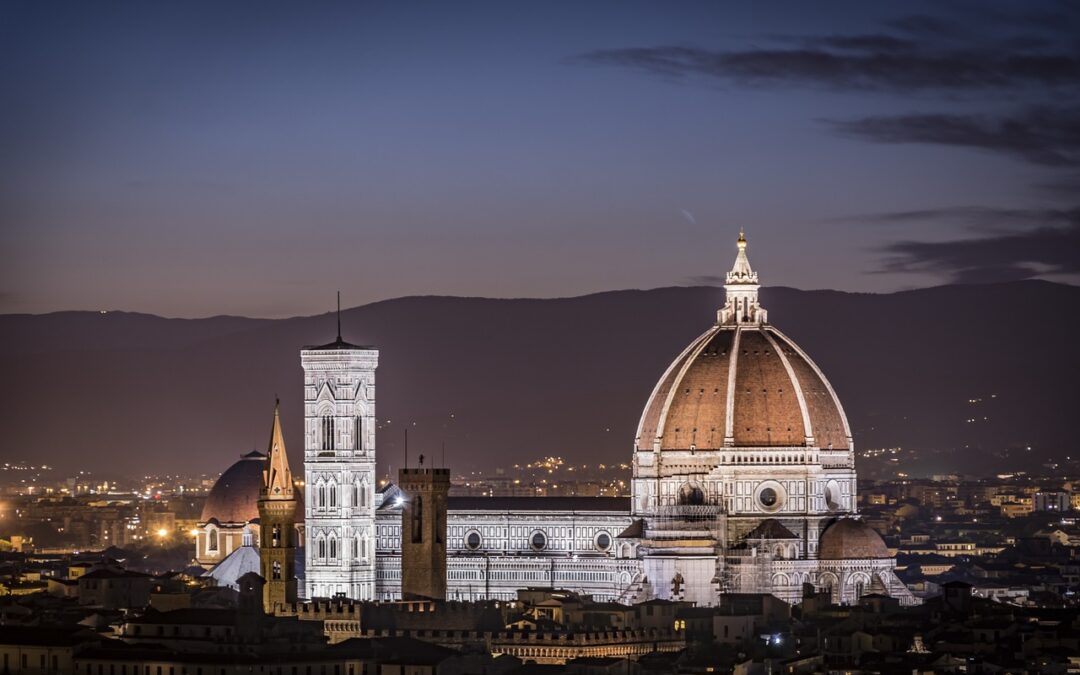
[277, 525]
[339, 469]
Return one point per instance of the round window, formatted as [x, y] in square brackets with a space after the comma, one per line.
[539, 540]
[603, 541]
[767, 497]
[472, 541]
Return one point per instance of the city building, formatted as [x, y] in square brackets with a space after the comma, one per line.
[743, 481]
[339, 468]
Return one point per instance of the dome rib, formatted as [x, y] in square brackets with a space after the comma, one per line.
[824, 437]
[766, 409]
[808, 427]
[651, 415]
[729, 405]
[677, 383]
[698, 399]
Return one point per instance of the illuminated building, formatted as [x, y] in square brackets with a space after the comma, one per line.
[743, 482]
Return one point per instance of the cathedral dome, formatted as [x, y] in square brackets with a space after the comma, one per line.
[742, 384]
[235, 496]
[847, 539]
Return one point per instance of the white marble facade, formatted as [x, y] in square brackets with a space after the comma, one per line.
[743, 481]
[339, 470]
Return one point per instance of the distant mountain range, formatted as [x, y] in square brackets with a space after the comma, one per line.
[973, 368]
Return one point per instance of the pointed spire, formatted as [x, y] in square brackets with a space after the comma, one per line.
[277, 478]
[741, 272]
[741, 287]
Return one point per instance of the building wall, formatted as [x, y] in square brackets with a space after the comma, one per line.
[423, 540]
[36, 659]
[339, 471]
[506, 559]
[229, 537]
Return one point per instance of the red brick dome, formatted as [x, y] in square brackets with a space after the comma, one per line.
[847, 539]
[742, 385]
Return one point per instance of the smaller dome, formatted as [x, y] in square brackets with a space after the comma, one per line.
[847, 539]
[235, 496]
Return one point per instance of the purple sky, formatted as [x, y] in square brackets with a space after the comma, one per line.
[191, 159]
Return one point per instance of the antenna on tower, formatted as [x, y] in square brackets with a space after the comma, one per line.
[339, 316]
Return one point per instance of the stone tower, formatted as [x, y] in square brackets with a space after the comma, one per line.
[339, 469]
[423, 532]
[277, 525]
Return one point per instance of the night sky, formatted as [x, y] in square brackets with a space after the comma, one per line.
[191, 159]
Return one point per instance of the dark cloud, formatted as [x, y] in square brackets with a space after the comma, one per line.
[866, 62]
[1069, 186]
[878, 42]
[971, 48]
[1050, 248]
[706, 279]
[1041, 135]
[973, 217]
[925, 26]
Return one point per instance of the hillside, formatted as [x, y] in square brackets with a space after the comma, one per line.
[503, 381]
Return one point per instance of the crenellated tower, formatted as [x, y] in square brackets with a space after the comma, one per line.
[339, 469]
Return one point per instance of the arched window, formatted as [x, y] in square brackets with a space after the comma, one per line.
[212, 540]
[363, 548]
[333, 495]
[364, 494]
[356, 547]
[358, 430]
[333, 548]
[322, 548]
[328, 441]
[275, 572]
[275, 536]
[691, 495]
[860, 588]
[322, 496]
[355, 495]
[417, 519]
